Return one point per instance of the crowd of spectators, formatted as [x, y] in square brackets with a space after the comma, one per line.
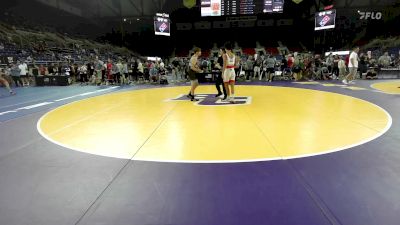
[297, 66]
[129, 70]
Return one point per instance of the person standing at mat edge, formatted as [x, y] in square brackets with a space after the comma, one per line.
[229, 72]
[194, 68]
[353, 66]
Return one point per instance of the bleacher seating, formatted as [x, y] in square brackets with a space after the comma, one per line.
[272, 50]
[45, 47]
[249, 51]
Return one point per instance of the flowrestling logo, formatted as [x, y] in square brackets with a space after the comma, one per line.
[211, 100]
[370, 15]
[324, 21]
[162, 27]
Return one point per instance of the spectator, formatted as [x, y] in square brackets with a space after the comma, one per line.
[109, 73]
[371, 74]
[66, 69]
[257, 67]
[83, 74]
[270, 65]
[335, 70]
[329, 62]
[384, 60]
[363, 66]
[98, 68]
[342, 68]
[104, 73]
[50, 69]
[175, 69]
[74, 69]
[307, 68]
[16, 75]
[153, 72]
[290, 61]
[249, 68]
[140, 69]
[297, 68]
[284, 64]
[90, 69]
[397, 62]
[59, 69]
[347, 60]
[125, 72]
[133, 71]
[162, 65]
[324, 73]
[393, 60]
[23, 67]
[42, 70]
[115, 74]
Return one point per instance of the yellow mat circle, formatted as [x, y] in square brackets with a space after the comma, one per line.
[279, 123]
[391, 87]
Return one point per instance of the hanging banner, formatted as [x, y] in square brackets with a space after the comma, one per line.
[189, 3]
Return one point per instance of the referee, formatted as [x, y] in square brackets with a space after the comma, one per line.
[218, 75]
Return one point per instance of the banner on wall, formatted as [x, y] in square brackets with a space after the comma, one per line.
[189, 3]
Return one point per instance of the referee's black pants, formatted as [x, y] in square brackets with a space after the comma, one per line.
[218, 82]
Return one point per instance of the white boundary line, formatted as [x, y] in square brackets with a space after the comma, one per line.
[35, 105]
[6, 112]
[388, 125]
[28, 107]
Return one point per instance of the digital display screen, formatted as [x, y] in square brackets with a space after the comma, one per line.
[325, 20]
[240, 7]
[162, 25]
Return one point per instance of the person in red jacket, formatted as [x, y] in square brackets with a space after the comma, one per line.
[110, 77]
[290, 61]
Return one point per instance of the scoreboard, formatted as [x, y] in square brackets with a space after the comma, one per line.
[240, 7]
